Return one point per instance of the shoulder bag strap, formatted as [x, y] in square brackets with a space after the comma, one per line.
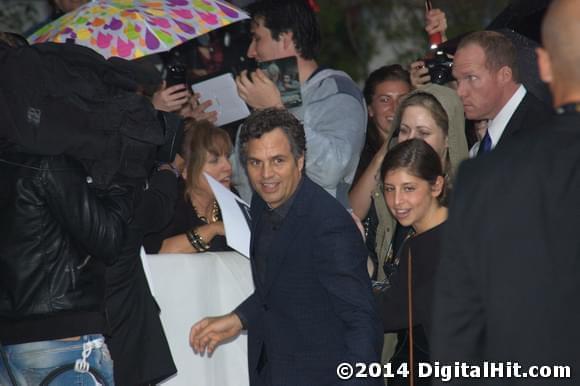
[410, 317]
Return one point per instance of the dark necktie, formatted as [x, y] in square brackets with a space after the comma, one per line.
[485, 145]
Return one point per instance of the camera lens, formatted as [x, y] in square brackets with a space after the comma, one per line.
[440, 68]
[439, 76]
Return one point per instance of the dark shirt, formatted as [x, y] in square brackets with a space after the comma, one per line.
[184, 219]
[393, 302]
[272, 220]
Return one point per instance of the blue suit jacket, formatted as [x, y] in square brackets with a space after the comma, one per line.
[315, 307]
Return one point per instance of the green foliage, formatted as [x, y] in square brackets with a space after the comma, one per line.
[19, 15]
[353, 30]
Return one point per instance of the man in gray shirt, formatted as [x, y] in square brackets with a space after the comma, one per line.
[333, 110]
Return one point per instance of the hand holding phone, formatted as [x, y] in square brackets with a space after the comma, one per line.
[171, 99]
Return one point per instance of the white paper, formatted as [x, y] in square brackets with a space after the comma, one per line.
[223, 93]
[189, 288]
[236, 216]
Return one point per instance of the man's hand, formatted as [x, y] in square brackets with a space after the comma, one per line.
[435, 21]
[195, 109]
[258, 90]
[170, 99]
[211, 331]
[419, 73]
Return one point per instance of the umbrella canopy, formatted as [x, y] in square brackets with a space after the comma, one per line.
[522, 16]
[528, 64]
[134, 28]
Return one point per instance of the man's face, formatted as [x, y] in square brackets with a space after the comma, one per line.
[272, 169]
[69, 5]
[477, 86]
[263, 47]
[385, 100]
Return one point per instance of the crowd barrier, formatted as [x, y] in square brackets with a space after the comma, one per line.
[189, 287]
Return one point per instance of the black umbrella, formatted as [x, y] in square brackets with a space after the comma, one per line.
[528, 64]
[522, 16]
[521, 21]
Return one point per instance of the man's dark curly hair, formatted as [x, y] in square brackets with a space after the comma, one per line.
[264, 121]
[294, 16]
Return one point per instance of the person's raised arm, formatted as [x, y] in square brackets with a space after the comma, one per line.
[360, 194]
[435, 22]
[170, 99]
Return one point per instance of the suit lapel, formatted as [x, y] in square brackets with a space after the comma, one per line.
[257, 209]
[515, 122]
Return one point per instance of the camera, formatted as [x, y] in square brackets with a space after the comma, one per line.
[439, 67]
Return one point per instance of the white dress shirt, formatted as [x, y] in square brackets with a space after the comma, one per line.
[497, 125]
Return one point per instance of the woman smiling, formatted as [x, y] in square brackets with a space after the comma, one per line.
[414, 190]
[434, 114]
[197, 224]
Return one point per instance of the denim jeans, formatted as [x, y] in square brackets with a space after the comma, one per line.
[31, 363]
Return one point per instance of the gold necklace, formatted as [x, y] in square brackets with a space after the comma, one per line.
[215, 213]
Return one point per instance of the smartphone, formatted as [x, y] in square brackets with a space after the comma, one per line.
[176, 74]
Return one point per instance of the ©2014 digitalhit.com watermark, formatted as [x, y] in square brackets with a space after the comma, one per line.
[457, 370]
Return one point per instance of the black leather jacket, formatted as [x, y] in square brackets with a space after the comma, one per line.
[57, 234]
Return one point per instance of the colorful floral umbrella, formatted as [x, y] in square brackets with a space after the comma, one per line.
[131, 29]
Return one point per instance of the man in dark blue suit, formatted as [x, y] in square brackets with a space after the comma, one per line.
[312, 307]
[489, 85]
[508, 283]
